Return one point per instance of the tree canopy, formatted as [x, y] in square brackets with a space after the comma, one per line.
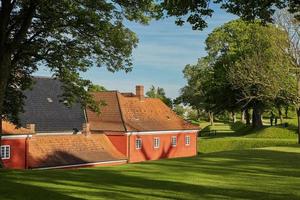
[246, 67]
[160, 94]
[96, 88]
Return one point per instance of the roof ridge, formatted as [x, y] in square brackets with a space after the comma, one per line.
[121, 112]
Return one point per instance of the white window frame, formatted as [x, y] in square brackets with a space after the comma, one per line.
[187, 140]
[174, 138]
[156, 143]
[5, 152]
[138, 145]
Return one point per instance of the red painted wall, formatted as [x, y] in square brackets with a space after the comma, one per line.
[17, 153]
[166, 150]
[119, 141]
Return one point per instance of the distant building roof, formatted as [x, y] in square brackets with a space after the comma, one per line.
[132, 113]
[43, 108]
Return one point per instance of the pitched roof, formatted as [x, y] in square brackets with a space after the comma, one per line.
[110, 118]
[9, 128]
[59, 150]
[43, 108]
[129, 113]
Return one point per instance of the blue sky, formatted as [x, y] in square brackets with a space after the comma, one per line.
[163, 51]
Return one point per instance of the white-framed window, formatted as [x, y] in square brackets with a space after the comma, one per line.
[138, 143]
[174, 141]
[187, 140]
[156, 142]
[5, 152]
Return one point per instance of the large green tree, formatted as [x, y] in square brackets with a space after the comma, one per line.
[198, 93]
[245, 68]
[287, 22]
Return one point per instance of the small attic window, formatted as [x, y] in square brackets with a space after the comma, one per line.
[49, 100]
[168, 117]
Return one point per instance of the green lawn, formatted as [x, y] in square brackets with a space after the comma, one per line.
[268, 173]
[235, 164]
[237, 136]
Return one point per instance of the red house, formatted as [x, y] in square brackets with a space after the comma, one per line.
[130, 128]
[143, 128]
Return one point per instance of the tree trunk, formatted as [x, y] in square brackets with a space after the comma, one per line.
[243, 116]
[298, 109]
[4, 74]
[298, 129]
[280, 115]
[256, 117]
[286, 111]
[233, 114]
[211, 118]
[198, 114]
[247, 117]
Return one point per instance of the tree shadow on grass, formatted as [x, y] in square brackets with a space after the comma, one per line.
[167, 179]
[114, 185]
[255, 161]
[11, 189]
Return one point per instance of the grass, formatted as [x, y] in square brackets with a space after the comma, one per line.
[238, 163]
[237, 136]
[267, 173]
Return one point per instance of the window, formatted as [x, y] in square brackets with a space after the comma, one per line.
[174, 141]
[138, 143]
[187, 140]
[5, 152]
[156, 143]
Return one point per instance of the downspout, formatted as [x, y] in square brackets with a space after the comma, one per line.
[128, 147]
[27, 151]
[196, 153]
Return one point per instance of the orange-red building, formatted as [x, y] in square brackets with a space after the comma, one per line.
[130, 128]
[143, 128]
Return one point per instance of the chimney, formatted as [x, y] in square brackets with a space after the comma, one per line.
[139, 92]
[86, 129]
[31, 127]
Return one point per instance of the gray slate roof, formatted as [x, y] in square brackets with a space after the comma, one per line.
[42, 108]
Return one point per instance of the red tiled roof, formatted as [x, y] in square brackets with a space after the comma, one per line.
[129, 113]
[110, 117]
[9, 128]
[60, 150]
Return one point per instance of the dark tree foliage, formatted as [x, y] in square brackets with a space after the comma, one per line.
[294, 7]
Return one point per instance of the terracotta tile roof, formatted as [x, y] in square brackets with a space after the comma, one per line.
[150, 114]
[59, 150]
[129, 113]
[9, 128]
[110, 117]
